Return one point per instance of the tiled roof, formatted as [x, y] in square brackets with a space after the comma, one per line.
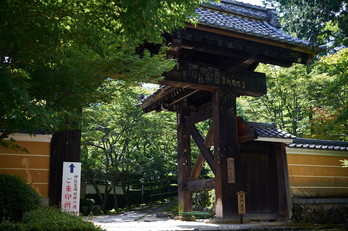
[319, 144]
[160, 91]
[248, 19]
[270, 130]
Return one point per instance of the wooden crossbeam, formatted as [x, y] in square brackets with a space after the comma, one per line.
[184, 97]
[200, 159]
[245, 132]
[208, 156]
[199, 185]
[199, 116]
[203, 76]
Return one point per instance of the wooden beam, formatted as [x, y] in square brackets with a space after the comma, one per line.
[243, 82]
[208, 156]
[193, 92]
[284, 199]
[199, 116]
[245, 131]
[157, 98]
[200, 159]
[251, 38]
[184, 160]
[199, 185]
[226, 155]
[204, 46]
[242, 64]
[208, 42]
[186, 85]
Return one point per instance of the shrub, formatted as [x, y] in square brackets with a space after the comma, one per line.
[49, 219]
[16, 197]
[54, 219]
[10, 226]
[320, 213]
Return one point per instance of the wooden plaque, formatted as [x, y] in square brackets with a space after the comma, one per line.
[198, 74]
[231, 171]
[241, 202]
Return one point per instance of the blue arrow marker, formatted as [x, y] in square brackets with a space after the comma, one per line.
[72, 166]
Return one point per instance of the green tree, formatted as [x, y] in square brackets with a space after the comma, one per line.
[55, 56]
[332, 116]
[123, 145]
[308, 100]
[285, 101]
[324, 19]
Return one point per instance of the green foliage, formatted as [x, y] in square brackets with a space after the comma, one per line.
[86, 202]
[343, 27]
[121, 144]
[49, 219]
[302, 18]
[305, 100]
[332, 71]
[321, 213]
[10, 144]
[285, 101]
[16, 197]
[344, 163]
[58, 56]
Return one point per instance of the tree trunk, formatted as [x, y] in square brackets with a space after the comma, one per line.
[115, 196]
[106, 194]
[98, 193]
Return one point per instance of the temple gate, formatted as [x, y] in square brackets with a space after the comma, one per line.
[216, 63]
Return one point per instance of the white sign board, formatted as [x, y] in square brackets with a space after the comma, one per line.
[71, 187]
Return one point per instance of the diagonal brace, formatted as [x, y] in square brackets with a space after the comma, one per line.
[208, 156]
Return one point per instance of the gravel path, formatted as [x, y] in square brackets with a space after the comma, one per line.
[156, 219]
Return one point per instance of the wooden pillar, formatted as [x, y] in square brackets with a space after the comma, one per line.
[65, 146]
[184, 161]
[226, 153]
[284, 199]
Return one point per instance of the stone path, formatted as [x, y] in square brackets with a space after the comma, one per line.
[148, 219]
[156, 219]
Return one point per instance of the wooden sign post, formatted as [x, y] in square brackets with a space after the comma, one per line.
[241, 204]
[71, 185]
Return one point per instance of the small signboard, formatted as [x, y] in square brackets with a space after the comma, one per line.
[241, 202]
[71, 187]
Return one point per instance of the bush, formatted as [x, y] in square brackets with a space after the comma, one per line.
[49, 219]
[320, 213]
[16, 197]
[54, 219]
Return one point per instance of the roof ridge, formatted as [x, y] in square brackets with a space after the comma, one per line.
[244, 10]
[321, 142]
[262, 125]
[245, 4]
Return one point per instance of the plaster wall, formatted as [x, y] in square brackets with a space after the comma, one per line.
[317, 173]
[33, 166]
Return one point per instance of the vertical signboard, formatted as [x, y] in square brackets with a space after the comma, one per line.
[71, 187]
[241, 202]
[231, 176]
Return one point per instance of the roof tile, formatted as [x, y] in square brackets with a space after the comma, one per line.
[318, 144]
[249, 19]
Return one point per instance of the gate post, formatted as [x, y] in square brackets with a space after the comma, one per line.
[227, 158]
[65, 146]
[184, 161]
